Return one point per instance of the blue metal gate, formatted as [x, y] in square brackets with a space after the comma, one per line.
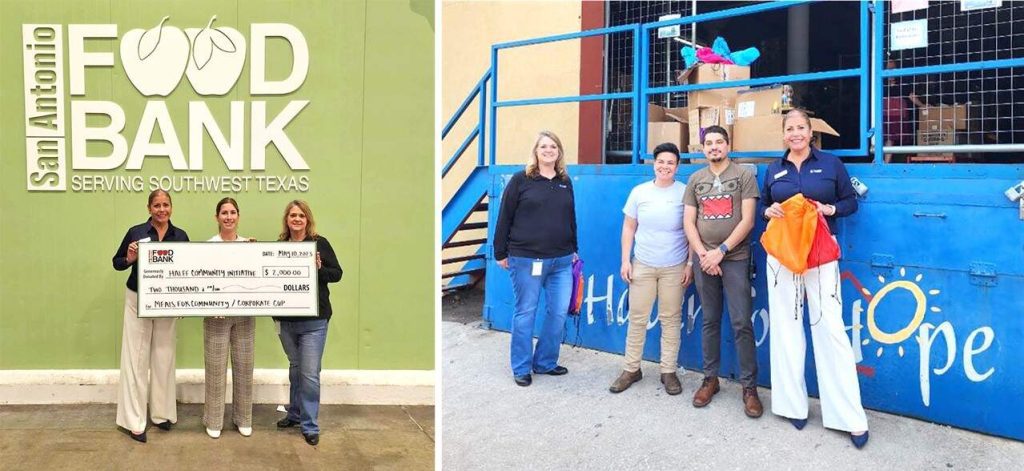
[933, 267]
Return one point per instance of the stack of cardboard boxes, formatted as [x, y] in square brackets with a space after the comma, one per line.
[753, 117]
[943, 125]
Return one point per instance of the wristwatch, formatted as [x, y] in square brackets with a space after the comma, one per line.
[724, 248]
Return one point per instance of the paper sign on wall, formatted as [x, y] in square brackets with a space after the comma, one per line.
[968, 5]
[900, 6]
[745, 109]
[668, 31]
[908, 35]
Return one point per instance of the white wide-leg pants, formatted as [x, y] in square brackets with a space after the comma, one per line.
[147, 369]
[833, 355]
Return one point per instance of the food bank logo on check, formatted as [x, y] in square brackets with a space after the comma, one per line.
[161, 256]
[156, 61]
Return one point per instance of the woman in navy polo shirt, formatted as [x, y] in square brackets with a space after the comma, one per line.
[535, 239]
[147, 345]
[822, 177]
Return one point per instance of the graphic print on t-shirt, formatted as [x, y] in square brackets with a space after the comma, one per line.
[719, 204]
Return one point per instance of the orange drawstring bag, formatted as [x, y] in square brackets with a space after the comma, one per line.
[789, 238]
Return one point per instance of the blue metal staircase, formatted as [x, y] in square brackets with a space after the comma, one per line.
[462, 270]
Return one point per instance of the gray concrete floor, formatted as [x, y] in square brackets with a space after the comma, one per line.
[85, 437]
[573, 422]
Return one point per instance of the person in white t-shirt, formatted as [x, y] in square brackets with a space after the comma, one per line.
[221, 334]
[659, 269]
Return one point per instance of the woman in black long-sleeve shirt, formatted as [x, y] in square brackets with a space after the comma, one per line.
[535, 239]
[303, 339]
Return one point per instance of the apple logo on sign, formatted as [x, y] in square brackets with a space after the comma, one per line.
[155, 59]
[218, 55]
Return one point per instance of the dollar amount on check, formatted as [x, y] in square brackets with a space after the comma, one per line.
[206, 279]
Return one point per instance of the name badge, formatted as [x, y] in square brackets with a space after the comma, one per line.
[781, 174]
[538, 265]
[816, 170]
[146, 239]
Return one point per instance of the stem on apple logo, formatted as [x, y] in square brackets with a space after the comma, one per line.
[147, 43]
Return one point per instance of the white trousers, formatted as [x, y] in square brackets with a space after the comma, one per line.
[833, 355]
[147, 368]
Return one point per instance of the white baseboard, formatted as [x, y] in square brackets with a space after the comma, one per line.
[270, 386]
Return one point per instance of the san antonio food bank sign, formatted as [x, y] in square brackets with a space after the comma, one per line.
[155, 60]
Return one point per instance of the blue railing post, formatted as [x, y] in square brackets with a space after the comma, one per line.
[639, 93]
[879, 134]
[482, 122]
[864, 76]
[494, 100]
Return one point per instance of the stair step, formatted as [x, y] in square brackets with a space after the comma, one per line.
[480, 207]
[463, 243]
[462, 259]
[460, 286]
[473, 225]
[464, 272]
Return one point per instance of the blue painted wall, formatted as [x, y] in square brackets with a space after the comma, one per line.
[933, 340]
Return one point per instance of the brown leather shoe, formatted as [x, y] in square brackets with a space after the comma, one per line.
[671, 382]
[625, 380]
[752, 403]
[708, 389]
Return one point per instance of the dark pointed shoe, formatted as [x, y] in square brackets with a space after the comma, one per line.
[313, 438]
[524, 380]
[625, 380]
[556, 371]
[671, 382]
[286, 422]
[165, 425]
[141, 438]
[859, 440]
[798, 423]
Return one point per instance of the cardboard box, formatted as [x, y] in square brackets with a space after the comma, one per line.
[666, 125]
[764, 133]
[932, 158]
[704, 117]
[935, 135]
[761, 102]
[711, 73]
[943, 116]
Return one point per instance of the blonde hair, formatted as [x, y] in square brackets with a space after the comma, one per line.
[310, 222]
[533, 168]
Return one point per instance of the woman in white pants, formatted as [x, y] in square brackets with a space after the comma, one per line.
[821, 177]
[221, 335]
[147, 345]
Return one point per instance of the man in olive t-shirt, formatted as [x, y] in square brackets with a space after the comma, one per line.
[718, 217]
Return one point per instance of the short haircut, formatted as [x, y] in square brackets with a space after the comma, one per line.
[667, 147]
[717, 130]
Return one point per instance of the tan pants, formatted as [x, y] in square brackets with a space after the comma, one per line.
[147, 368]
[238, 334]
[665, 285]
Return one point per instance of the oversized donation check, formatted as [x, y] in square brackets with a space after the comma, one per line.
[206, 279]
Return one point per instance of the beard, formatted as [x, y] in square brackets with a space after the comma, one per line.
[716, 158]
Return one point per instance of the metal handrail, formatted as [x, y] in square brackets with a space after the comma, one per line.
[465, 104]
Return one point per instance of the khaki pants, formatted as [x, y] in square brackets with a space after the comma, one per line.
[219, 335]
[147, 368]
[666, 285]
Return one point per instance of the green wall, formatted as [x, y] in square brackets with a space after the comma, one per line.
[367, 135]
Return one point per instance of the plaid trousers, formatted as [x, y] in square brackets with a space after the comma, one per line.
[238, 333]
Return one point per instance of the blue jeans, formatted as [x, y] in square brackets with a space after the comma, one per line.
[556, 279]
[303, 342]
